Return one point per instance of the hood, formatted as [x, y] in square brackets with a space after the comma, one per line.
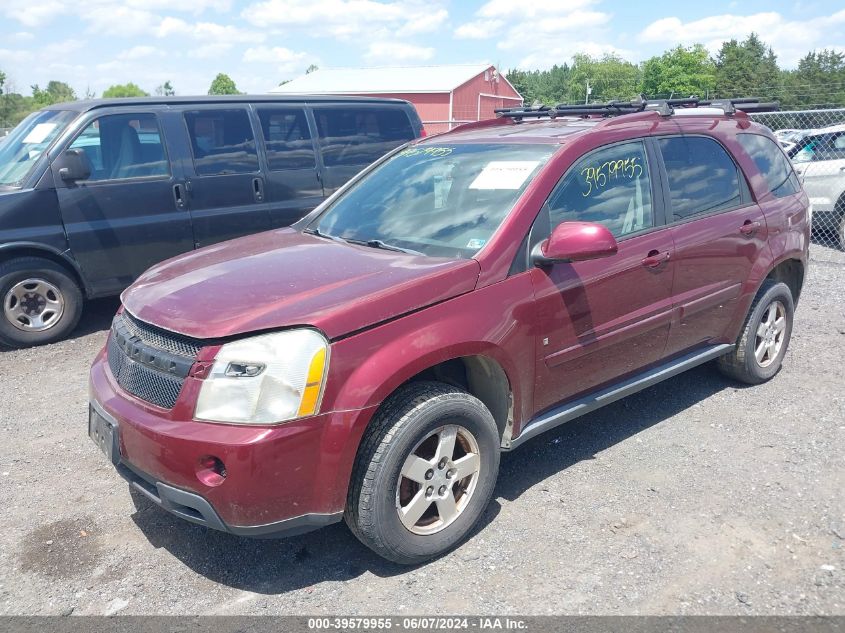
[286, 278]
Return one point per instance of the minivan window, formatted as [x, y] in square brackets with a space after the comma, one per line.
[610, 186]
[123, 146]
[770, 161]
[444, 201]
[287, 138]
[359, 136]
[24, 145]
[222, 142]
[702, 177]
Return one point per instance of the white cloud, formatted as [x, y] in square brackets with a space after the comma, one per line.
[140, 52]
[397, 52]
[543, 33]
[348, 18]
[282, 59]
[790, 39]
[479, 29]
[33, 14]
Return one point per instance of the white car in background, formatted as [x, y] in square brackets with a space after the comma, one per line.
[819, 159]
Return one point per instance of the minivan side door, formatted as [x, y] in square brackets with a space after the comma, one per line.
[351, 136]
[601, 319]
[124, 218]
[718, 232]
[293, 184]
[226, 187]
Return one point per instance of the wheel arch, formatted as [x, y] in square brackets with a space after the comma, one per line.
[790, 271]
[14, 250]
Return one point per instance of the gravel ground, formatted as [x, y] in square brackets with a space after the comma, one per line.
[696, 496]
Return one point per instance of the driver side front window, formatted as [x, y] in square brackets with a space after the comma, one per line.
[610, 186]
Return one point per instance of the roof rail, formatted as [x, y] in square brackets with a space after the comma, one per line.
[664, 107]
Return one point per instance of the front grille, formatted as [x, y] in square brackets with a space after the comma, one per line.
[161, 339]
[149, 363]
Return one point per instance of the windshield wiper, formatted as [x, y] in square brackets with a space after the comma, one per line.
[384, 246]
[318, 233]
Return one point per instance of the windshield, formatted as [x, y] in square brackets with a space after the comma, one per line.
[442, 201]
[24, 145]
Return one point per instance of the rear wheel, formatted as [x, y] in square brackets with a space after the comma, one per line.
[424, 474]
[41, 303]
[760, 349]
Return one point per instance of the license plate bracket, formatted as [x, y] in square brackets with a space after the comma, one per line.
[104, 433]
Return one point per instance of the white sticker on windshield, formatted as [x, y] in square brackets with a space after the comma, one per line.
[39, 133]
[504, 174]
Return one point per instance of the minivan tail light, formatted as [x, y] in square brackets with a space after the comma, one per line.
[423, 133]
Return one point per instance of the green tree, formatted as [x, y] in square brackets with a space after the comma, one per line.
[165, 89]
[746, 69]
[542, 86]
[121, 91]
[679, 72]
[311, 69]
[609, 77]
[223, 85]
[55, 92]
[818, 81]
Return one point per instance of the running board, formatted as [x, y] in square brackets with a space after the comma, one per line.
[598, 399]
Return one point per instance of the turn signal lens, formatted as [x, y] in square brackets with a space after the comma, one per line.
[314, 384]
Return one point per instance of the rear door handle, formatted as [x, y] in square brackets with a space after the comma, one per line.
[179, 196]
[749, 228]
[258, 189]
[655, 258]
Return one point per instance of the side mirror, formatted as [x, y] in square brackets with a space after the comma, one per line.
[73, 165]
[575, 242]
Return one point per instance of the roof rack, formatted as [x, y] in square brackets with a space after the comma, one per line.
[664, 107]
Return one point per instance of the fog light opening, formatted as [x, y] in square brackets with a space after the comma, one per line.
[211, 470]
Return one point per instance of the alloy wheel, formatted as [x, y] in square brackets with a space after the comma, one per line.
[770, 334]
[438, 479]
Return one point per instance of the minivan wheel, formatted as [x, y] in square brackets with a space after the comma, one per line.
[41, 303]
[424, 473]
[760, 349]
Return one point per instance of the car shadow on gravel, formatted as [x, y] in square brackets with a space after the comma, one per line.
[268, 566]
[275, 566]
[584, 437]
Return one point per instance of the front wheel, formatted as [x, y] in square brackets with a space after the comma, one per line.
[760, 349]
[41, 303]
[424, 474]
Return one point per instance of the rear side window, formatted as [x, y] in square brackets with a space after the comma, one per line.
[222, 142]
[359, 136]
[287, 139]
[770, 161]
[611, 187]
[702, 176]
[120, 146]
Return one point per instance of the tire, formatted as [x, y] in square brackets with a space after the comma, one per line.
[742, 364]
[840, 231]
[51, 289]
[417, 418]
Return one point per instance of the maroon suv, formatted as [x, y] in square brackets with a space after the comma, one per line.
[460, 296]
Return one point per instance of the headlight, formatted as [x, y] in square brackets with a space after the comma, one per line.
[266, 379]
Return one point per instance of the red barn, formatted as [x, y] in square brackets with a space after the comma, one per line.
[444, 96]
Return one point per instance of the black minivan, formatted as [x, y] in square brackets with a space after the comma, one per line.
[92, 193]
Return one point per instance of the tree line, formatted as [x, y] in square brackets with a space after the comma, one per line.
[745, 68]
[15, 106]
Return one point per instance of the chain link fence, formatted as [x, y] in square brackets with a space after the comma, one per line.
[815, 142]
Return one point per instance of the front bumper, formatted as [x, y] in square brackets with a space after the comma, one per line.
[280, 480]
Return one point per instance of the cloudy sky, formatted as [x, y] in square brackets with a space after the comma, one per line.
[92, 44]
